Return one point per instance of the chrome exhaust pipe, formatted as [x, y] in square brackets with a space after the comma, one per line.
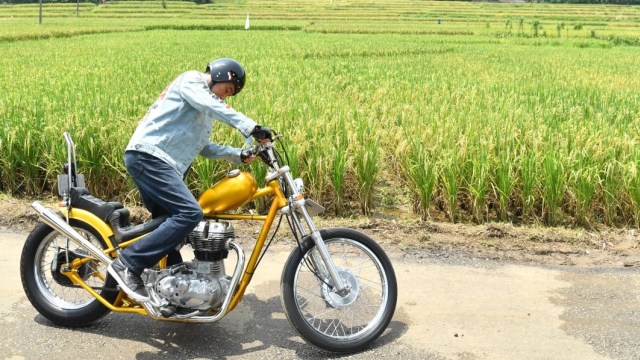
[57, 223]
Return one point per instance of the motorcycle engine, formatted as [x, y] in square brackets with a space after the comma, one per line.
[201, 284]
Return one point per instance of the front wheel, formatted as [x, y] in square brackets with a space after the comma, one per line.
[340, 322]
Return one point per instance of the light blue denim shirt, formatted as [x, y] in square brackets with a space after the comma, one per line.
[177, 127]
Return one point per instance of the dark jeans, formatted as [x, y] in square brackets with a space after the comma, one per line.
[164, 193]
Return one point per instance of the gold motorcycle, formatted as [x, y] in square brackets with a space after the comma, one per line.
[338, 286]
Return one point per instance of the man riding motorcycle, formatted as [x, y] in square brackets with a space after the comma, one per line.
[176, 129]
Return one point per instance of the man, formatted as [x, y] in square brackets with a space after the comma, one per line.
[176, 129]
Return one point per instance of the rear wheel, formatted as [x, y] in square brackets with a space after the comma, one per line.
[52, 293]
[340, 322]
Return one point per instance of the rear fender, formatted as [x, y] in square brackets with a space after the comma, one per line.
[95, 222]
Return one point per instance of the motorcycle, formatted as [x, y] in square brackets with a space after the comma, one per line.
[338, 287]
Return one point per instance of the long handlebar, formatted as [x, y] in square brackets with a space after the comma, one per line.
[264, 149]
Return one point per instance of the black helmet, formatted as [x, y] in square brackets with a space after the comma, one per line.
[227, 70]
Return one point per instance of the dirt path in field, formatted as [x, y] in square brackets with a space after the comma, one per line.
[494, 241]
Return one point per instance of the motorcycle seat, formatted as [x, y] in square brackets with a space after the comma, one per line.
[81, 198]
[113, 213]
[124, 231]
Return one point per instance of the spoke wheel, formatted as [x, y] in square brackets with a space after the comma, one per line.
[346, 322]
[52, 293]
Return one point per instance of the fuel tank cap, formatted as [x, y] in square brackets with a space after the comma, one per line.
[233, 173]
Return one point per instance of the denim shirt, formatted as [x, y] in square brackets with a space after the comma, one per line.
[177, 127]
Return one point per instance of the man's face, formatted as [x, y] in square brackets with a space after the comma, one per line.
[223, 89]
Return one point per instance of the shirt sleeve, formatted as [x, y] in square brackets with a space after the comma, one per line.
[195, 91]
[222, 152]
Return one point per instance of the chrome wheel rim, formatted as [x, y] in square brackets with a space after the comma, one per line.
[354, 315]
[69, 297]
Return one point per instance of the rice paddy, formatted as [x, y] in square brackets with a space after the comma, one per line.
[525, 113]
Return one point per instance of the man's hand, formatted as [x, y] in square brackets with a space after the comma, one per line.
[246, 156]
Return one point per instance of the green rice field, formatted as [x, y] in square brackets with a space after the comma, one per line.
[459, 111]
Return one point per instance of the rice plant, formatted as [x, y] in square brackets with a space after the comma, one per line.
[553, 186]
[366, 160]
[450, 170]
[339, 163]
[532, 128]
[584, 182]
[421, 173]
[633, 186]
[504, 182]
[479, 185]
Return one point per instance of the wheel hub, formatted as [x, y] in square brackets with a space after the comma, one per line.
[61, 259]
[336, 300]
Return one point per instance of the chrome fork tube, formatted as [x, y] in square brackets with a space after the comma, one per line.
[324, 253]
[315, 235]
[315, 258]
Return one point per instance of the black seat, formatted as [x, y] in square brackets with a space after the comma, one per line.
[113, 213]
[81, 198]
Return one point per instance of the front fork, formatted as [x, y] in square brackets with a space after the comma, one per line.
[321, 256]
[297, 205]
[330, 267]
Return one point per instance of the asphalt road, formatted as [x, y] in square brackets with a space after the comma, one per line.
[448, 308]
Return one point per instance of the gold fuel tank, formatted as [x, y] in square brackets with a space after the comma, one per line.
[229, 193]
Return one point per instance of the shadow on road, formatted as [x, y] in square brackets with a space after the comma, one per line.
[254, 326]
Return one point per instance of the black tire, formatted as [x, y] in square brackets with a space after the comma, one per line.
[343, 324]
[53, 294]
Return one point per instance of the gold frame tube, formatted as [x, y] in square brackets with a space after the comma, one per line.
[130, 306]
